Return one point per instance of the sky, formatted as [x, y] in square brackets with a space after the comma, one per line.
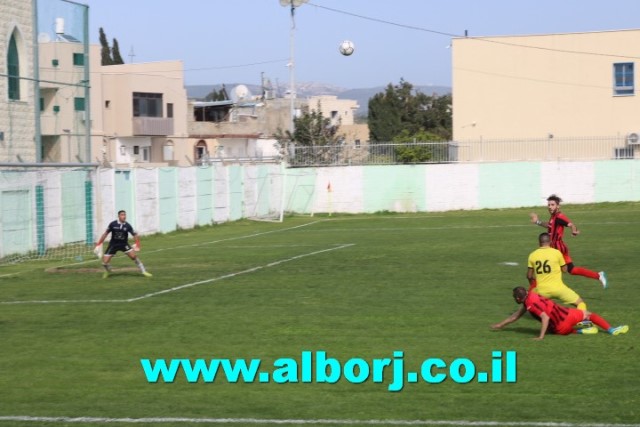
[238, 41]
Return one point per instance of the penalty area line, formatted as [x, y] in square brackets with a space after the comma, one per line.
[227, 276]
[187, 285]
[180, 420]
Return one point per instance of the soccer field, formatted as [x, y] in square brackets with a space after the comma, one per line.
[357, 288]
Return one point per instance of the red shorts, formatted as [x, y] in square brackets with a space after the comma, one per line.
[566, 326]
[559, 245]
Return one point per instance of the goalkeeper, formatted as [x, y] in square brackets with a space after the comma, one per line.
[120, 230]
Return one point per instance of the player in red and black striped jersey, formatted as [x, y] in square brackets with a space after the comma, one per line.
[555, 227]
[556, 318]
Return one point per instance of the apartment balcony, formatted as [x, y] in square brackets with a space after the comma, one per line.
[152, 126]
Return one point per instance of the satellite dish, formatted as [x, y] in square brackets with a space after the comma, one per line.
[44, 38]
[240, 93]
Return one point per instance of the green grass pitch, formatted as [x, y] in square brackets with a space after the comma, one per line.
[354, 286]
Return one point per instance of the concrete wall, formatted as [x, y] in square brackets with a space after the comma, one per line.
[161, 200]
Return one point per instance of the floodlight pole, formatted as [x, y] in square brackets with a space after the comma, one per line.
[293, 4]
[292, 78]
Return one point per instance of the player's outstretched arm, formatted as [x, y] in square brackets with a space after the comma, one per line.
[515, 316]
[574, 229]
[535, 219]
[101, 239]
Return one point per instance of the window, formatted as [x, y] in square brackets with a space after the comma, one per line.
[147, 104]
[41, 104]
[107, 104]
[201, 152]
[623, 79]
[78, 104]
[78, 59]
[169, 110]
[167, 151]
[13, 68]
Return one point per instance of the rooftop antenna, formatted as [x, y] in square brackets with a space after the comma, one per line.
[131, 55]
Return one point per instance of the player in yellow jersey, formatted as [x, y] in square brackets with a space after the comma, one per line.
[545, 268]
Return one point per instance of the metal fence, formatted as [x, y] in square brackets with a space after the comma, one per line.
[508, 150]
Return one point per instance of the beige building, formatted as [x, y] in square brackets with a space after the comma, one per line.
[18, 142]
[339, 111]
[63, 103]
[139, 113]
[546, 86]
[240, 129]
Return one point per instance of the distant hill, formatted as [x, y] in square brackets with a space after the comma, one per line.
[305, 90]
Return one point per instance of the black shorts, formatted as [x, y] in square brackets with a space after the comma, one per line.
[117, 247]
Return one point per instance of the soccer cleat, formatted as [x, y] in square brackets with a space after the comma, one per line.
[623, 329]
[588, 331]
[105, 274]
[603, 279]
[147, 274]
[584, 324]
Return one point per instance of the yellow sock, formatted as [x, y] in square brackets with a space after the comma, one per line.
[582, 306]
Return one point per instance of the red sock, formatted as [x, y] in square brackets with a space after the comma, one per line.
[595, 318]
[581, 271]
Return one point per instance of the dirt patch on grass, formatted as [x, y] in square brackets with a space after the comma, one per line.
[67, 270]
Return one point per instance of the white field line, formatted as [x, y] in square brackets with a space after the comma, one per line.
[258, 421]
[91, 261]
[250, 270]
[211, 242]
[187, 285]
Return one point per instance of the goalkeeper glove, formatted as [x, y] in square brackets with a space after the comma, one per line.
[98, 250]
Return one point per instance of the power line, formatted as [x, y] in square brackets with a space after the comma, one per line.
[368, 18]
[481, 39]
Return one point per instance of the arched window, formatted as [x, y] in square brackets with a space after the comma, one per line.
[13, 68]
[167, 151]
[201, 153]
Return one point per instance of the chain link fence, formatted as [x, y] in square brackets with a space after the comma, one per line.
[508, 150]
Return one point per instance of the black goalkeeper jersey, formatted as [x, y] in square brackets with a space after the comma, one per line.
[120, 232]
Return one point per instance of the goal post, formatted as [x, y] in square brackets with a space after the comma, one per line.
[264, 191]
[46, 213]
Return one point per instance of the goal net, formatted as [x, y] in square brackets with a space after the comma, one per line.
[264, 192]
[46, 214]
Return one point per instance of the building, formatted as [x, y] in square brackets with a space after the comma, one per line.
[139, 113]
[63, 104]
[18, 136]
[546, 86]
[339, 111]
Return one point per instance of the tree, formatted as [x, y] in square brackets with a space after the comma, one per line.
[105, 51]
[115, 52]
[384, 115]
[315, 134]
[401, 111]
[217, 95]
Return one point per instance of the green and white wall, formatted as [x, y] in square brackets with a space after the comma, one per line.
[47, 209]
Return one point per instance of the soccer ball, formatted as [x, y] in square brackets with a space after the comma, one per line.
[346, 47]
